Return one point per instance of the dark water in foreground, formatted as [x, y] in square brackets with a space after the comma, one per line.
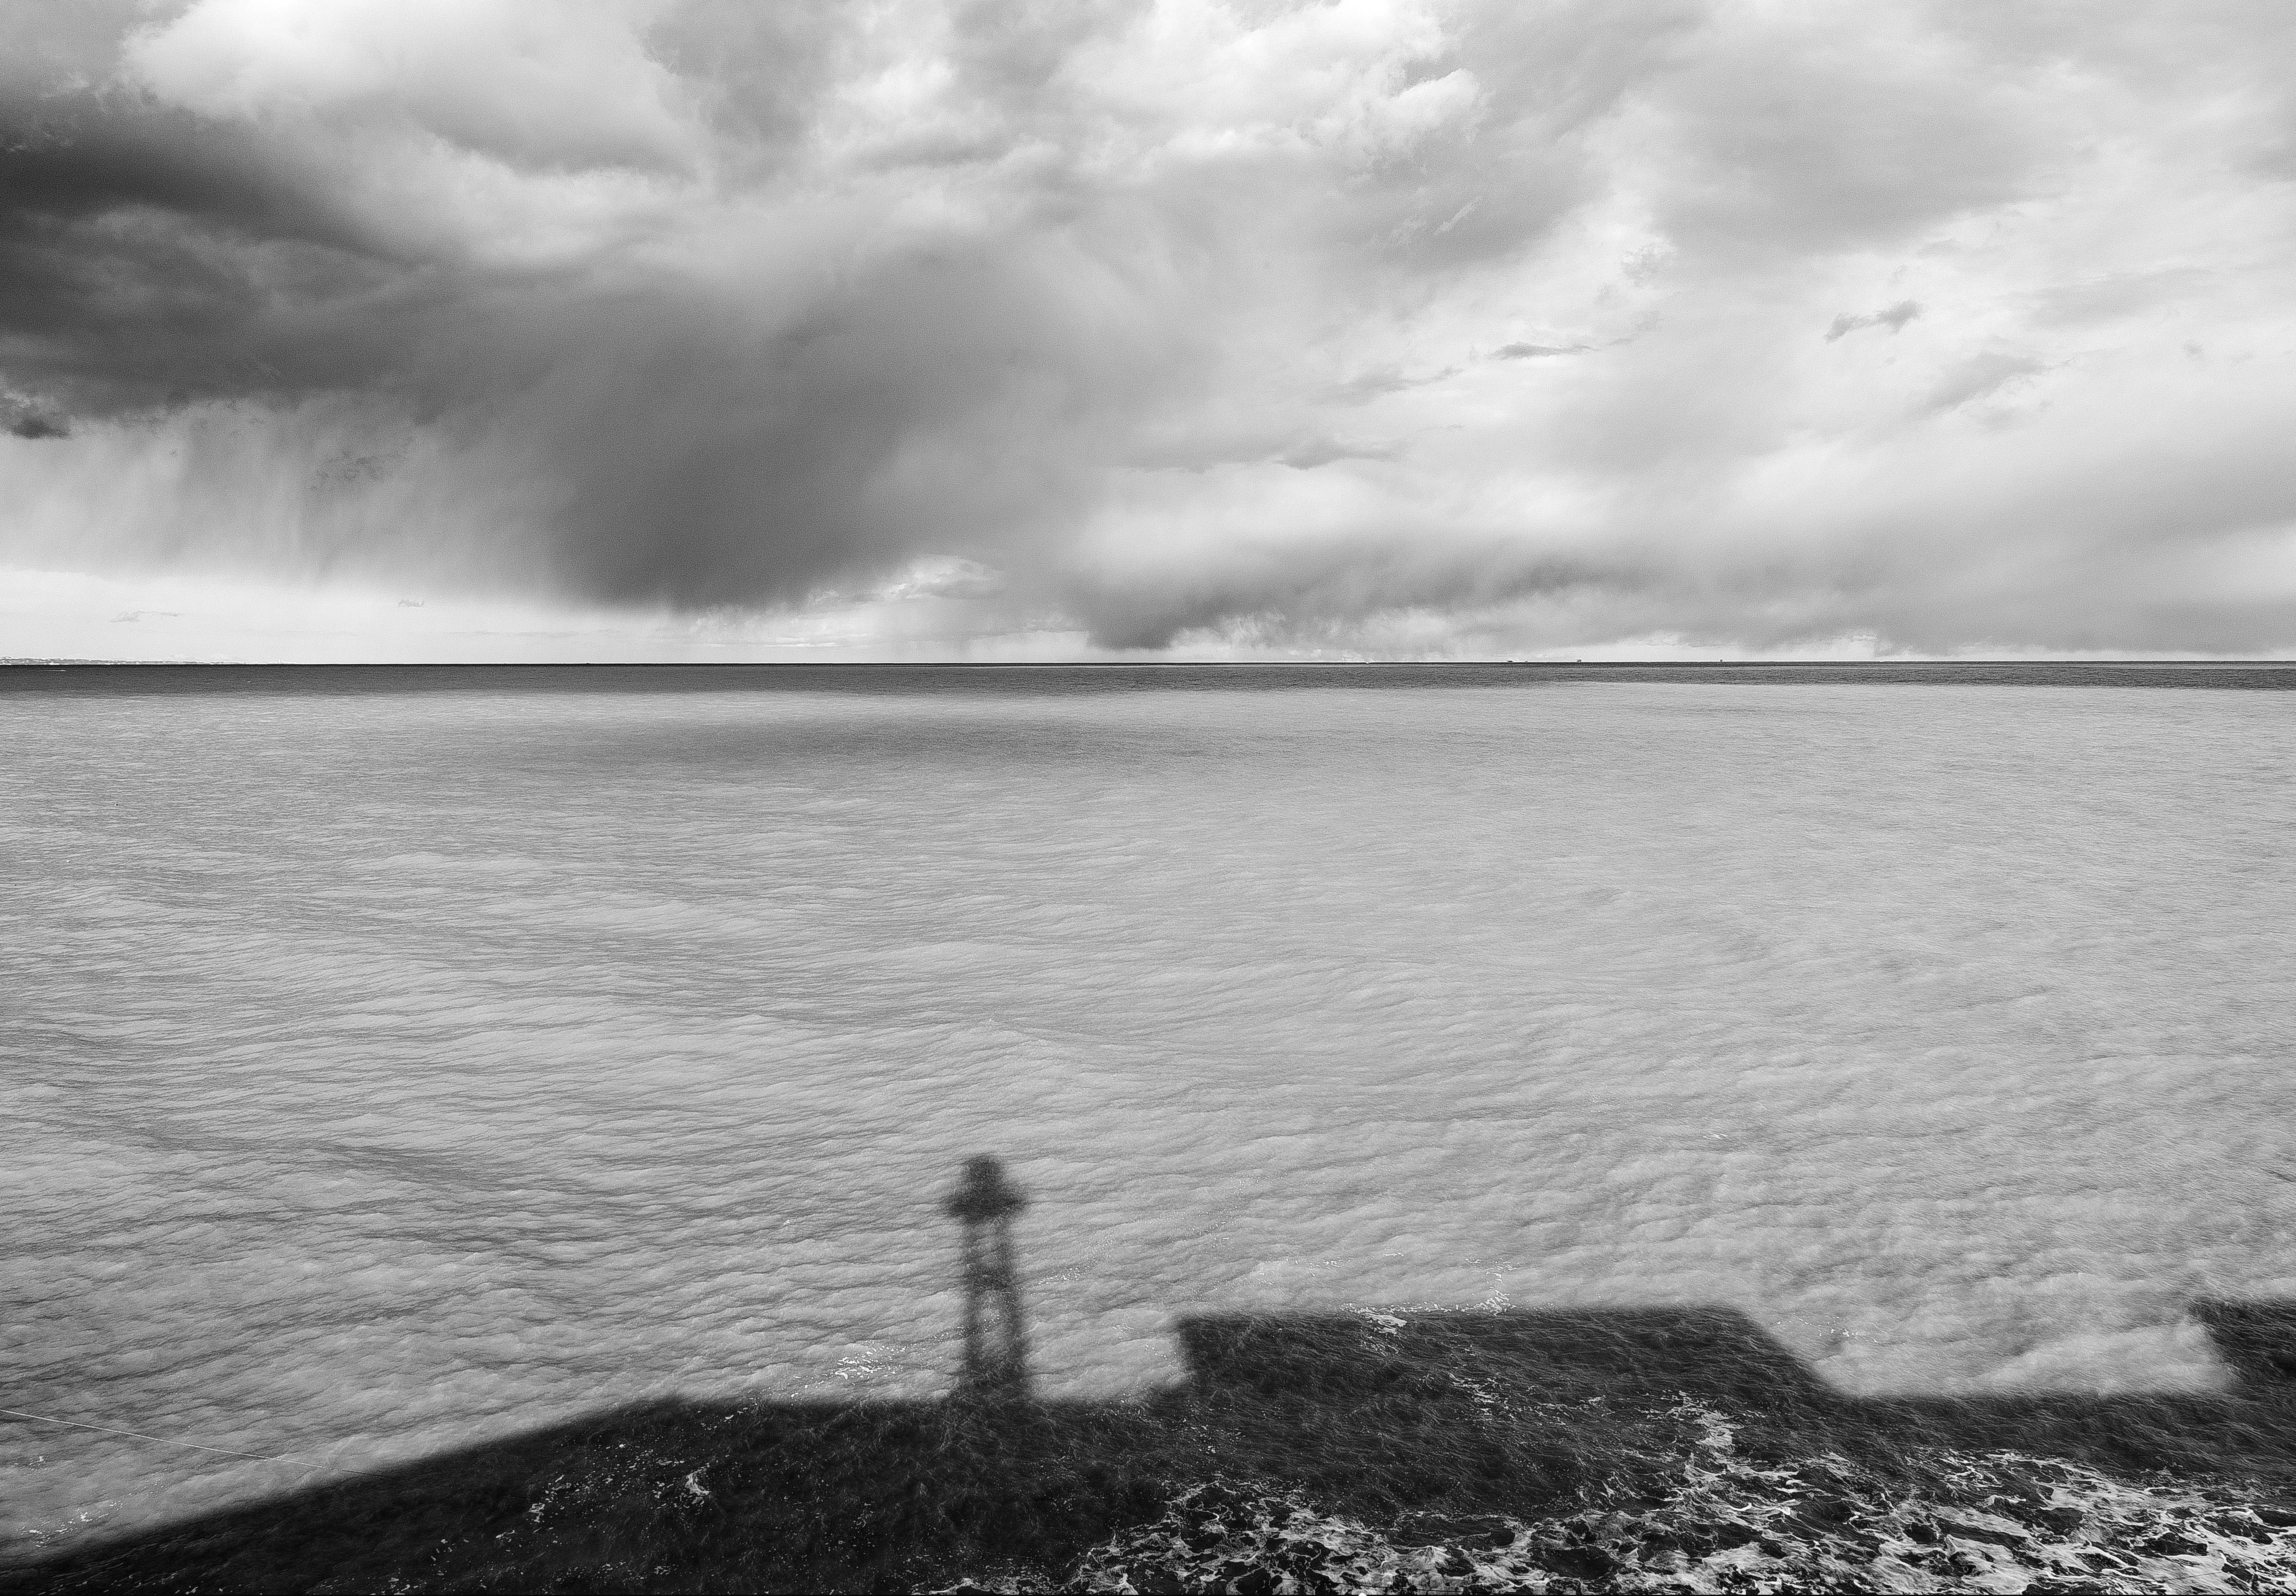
[402, 1060]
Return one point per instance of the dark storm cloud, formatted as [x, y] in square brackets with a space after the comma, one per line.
[85, 155]
[1190, 319]
[819, 379]
[149, 257]
[735, 419]
[28, 422]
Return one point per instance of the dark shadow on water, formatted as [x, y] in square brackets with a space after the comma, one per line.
[675, 1495]
[996, 1366]
[1448, 1414]
[2257, 1339]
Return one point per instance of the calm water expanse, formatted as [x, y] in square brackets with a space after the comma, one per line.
[396, 1059]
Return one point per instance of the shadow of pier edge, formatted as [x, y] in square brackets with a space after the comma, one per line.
[1381, 1416]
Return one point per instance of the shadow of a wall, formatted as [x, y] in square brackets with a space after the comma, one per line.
[1449, 1414]
[2257, 1339]
[678, 1495]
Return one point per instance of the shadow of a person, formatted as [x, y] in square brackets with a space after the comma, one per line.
[995, 1338]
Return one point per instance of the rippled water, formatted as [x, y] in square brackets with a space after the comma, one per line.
[397, 1065]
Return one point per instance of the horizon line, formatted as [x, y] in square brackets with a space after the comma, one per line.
[1890, 662]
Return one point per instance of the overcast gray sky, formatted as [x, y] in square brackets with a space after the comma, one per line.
[396, 328]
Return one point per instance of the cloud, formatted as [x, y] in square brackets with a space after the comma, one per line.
[1981, 377]
[1894, 318]
[1178, 321]
[569, 87]
[27, 419]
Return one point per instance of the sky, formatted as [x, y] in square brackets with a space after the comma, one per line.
[935, 329]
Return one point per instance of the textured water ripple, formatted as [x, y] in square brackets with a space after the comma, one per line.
[390, 1070]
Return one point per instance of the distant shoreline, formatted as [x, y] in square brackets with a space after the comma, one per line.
[103, 677]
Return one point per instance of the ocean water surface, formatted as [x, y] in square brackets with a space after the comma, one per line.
[400, 1059]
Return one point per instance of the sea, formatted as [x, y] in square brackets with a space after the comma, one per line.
[399, 1058]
